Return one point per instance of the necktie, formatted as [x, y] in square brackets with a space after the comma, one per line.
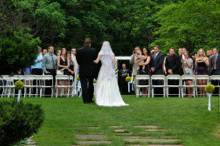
[215, 61]
[52, 61]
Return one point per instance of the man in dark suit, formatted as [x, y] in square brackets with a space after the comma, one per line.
[157, 62]
[87, 69]
[215, 68]
[157, 67]
[215, 62]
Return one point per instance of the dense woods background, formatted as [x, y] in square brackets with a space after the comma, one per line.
[27, 24]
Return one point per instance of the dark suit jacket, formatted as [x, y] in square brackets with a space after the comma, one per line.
[174, 63]
[85, 58]
[157, 63]
[212, 62]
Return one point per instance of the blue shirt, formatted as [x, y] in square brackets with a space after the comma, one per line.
[38, 62]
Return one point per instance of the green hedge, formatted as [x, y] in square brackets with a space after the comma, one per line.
[18, 121]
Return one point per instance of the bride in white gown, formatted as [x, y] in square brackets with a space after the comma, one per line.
[107, 91]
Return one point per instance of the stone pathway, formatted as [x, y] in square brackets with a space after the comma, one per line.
[145, 135]
[28, 142]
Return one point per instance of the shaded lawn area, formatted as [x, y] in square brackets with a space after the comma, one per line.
[187, 119]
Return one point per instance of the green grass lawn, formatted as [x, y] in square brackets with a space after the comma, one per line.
[187, 119]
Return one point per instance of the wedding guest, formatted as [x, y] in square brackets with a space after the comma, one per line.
[172, 66]
[37, 67]
[62, 62]
[63, 66]
[147, 60]
[75, 63]
[157, 67]
[188, 70]
[215, 62]
[215, 68]
[172, 63]
[157, 62]
[201, 68]
[123, 73]
[71, 65]
[50, 66]
[133, 60]
[44, 52]
[209, 53]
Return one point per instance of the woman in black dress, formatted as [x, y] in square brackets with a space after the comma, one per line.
[63, 65]
[201, 68]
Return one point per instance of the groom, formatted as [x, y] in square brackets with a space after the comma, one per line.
[88, 70]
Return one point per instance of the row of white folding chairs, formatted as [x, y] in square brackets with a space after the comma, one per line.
[7, 85]
[181, 83]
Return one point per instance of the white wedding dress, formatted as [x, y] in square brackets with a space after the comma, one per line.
[107, 91]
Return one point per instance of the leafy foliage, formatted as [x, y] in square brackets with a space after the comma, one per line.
[192, 24]
[18, 121]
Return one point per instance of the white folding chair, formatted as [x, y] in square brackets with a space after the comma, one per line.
[161, 83]
[67, 85]
[184, 79]
[216, 78]
[198, 78]
[9, 86]
[170, 85]
[2, 86]
[145, 85]
[44, 86]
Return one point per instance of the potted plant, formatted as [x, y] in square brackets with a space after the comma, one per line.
[209, 89]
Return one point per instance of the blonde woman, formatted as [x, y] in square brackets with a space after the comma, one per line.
[202, 65]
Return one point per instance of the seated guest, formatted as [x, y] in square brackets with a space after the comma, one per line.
[187, 64]
[201, 68]
[123, 73]
[172, 65]
[209, 53]
[71, 65]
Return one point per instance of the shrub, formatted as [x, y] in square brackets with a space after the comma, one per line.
[18, 121]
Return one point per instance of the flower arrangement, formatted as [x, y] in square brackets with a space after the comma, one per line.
[209, 88]
[128, 78]
[19, 85]
[78, 78]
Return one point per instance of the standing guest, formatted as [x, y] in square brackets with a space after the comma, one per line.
[172, 66]
[71, 65]
[50, 66]
[37, 67]
[75, 63]
[157, 67]
[147, 60]
[215, 62]
[201, 68]
[215, 68]
[123, 73]
[209, 53]
[44, 52]
[157, 62]
[188, 70]
[133, 60]
[172, 63]
[62, 63]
